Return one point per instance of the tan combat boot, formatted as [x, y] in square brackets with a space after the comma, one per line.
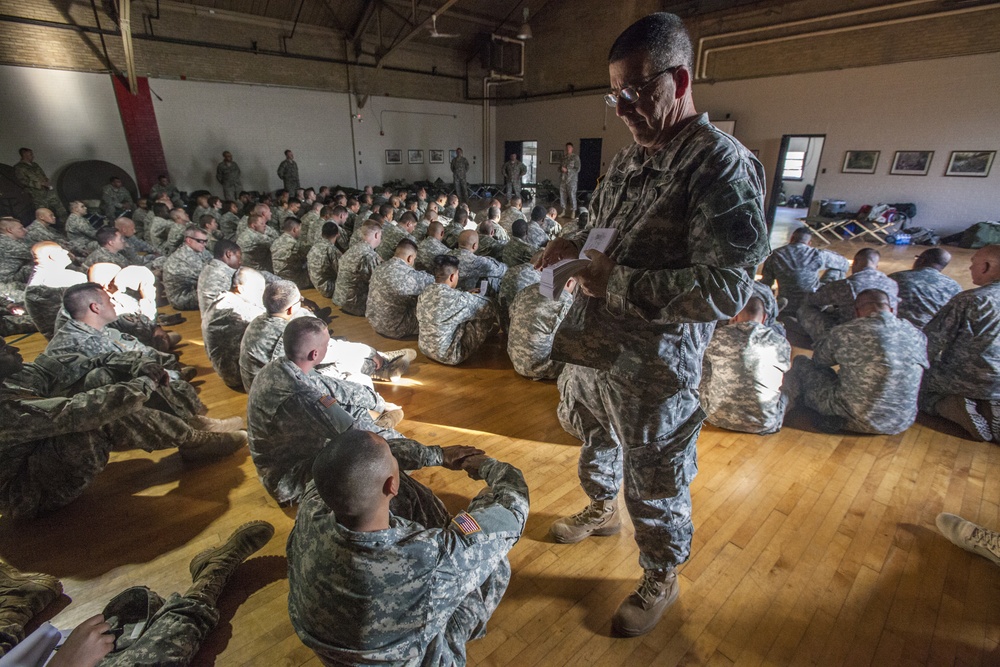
[397, 362]
[390, 418]
[23, 595]
[642, 610]
[600, 517]
[211, 569]
[205, 446]
[217, 425]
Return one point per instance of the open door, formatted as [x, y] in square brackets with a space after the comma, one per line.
[590, 165]
[795, 177]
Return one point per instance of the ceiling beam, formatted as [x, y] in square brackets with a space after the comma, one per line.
[367, 14]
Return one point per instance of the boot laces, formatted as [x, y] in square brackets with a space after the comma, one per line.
[651, 587]
[986, 539]
[590, 513]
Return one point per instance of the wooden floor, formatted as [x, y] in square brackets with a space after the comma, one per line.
[808, 549]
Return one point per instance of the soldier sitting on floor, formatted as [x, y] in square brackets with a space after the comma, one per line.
[379, 579]
[881, 358]
[534, 319]
[924, 290]
[323, 259]
[288, 253]
[226, 320]
[355, 270]
[183, 267]
[137, 627]
[430, 247]
[473, 268]
[392, 295]
[743, 371]
[453, 323]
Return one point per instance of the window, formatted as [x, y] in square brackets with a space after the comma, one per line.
[794, 162]
[529, 156]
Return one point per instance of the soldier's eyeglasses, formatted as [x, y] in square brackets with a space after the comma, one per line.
[198, 240]
[630, 94]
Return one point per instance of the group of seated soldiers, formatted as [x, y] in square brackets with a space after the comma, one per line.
[322, 437]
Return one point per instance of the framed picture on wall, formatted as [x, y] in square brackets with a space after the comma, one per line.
[911, 163]
[435, 156]
[393, 156]
[555, 157]
[860, 162]
[970, 163]
[452, 154]
[415, 156]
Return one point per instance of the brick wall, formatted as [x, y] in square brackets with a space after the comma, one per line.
[58, 48]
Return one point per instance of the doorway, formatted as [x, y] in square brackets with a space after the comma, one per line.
[590, 168]
[795, 177]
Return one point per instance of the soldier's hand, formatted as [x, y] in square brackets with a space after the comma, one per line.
[594, 279]
[455, 455]
[86, 645]
[557, 251]
[471, 465]
[156, 373]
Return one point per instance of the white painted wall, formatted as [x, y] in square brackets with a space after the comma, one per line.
[63, 116]
[939, 105]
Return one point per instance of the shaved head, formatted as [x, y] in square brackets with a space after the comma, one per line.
[304, 335]
[468, 239]
[872, 301]
[355, 475]
[935, 258]
[754, 311]
[985, 267]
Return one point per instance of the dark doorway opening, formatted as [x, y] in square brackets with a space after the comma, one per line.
[590, 164]
[795, 175]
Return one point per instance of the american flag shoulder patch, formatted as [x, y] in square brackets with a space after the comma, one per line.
[466, 523]
[327, 401]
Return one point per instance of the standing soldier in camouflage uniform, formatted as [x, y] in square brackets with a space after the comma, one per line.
[183, 267]
[460, 170]
[430, 247]
[216, 277]
[165, 632]
[797, 266]
[963, 346]
[165, 187]
[393, 292]
[81, 234]
[288, 254]
[534, 319]
[293, 408]
[288, 172]
[61, 444]
[30, 176]
[16, 261]
[371, 582]
[323, 260]
[743, 370]
[225, 320]
[881, 358]
[924, 290]
[474, 268]
[513, 172]
[833, 303]
[569, 170]
[453, 324]
[355, 271]
[116, 200]
[687, 201]
[227, 173]
[255, 244]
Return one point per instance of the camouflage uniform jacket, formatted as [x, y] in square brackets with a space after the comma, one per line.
[839, 296]
[392, 234]
[169, 189]
[311, 227]
[963, 345]
[472, 268]
[175, 238]
[138, 252]
[215, 279]
[30, 176]
[16, 262]
[489, 246]
[223, 324]
[158, 230]
[534, 319]
[388, 597]
[180, 277]
[115, 200]
[508, 217]
[690, 221]
[256, 249]
[922, 293]
[103, 255]
[141, 217]
[290, 415]
[796, 267]
[451, 233]
[81, 235]
[427, 250]
[536, 235]
[288, 172]
[77, 337]
[39, 231]
[227, 225]
[516, 279]
[518, 251]
[460, 167]
[392, 298]
[572, 164]
[353, 277]
[323, 261]
[262, 342]
[744, 367]
[882, 359]
[288, 257]
[228, 174]
[453, 323]
[514, 172]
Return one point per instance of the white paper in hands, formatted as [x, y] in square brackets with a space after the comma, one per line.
[554, 277]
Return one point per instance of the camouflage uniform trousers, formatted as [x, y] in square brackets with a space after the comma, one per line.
[817, 323]
[172, 638]
[631, 431]
[816, 387]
